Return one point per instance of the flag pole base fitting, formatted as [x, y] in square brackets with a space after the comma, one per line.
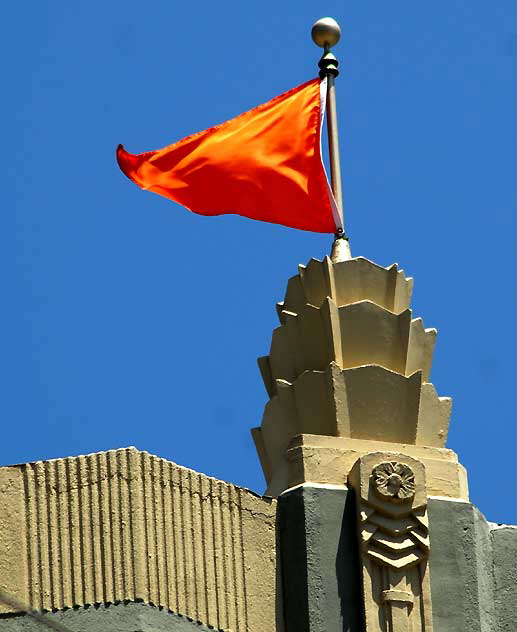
[328, 65]
[340, 249]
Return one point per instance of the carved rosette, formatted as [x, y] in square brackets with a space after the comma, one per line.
[394, 542]
[394, 480]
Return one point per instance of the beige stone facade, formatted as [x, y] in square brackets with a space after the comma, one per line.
[125, 525]
[330, 459]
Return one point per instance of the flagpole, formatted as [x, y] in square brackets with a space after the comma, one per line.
[326, 33]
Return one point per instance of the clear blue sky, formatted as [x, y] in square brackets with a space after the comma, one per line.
[127, 320]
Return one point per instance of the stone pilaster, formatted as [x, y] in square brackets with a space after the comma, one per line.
[393, 533]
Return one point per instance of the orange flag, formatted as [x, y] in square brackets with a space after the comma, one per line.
[264, 164]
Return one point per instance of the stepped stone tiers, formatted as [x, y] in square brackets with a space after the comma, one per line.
[348, 373]
[125, 526]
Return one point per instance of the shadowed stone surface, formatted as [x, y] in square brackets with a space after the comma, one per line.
[131, 617]
[473, 565]
[461, 568]
[319, 550]
[504, 545]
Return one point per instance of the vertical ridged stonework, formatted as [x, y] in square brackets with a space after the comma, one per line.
[125, 525]
[393, 530]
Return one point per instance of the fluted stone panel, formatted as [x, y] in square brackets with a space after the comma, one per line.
[126, 525]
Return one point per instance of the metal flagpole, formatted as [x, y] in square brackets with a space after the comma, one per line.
[326, 33]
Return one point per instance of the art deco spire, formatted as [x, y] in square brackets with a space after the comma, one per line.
[351, 403]
[348, 361]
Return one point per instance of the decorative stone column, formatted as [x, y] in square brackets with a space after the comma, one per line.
[393, 531]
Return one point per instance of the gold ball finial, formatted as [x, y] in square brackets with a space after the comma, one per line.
[326, 32]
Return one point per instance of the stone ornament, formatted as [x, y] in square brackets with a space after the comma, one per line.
[394, 480]
[348, 360]
[394, 541]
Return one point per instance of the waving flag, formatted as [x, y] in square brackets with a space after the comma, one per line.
[264, 164]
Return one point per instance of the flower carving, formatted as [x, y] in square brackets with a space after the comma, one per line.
[393, 481]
